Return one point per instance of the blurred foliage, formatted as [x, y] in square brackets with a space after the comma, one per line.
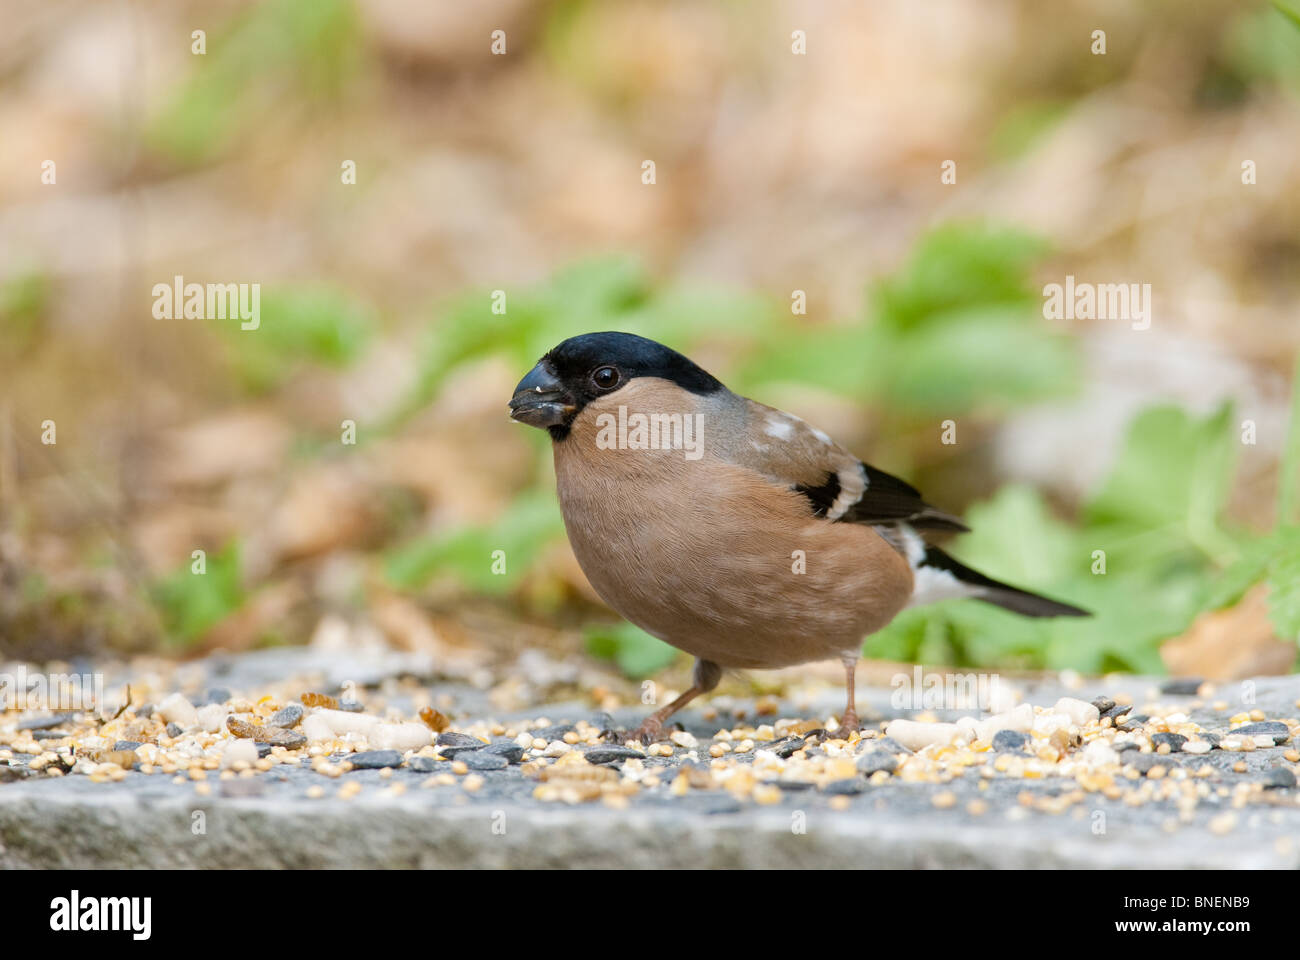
[310, 47]
[1263, 46]
[958, 328]
[190, 603]
[297, 326]
[468, 552]
[601, 294]
[1023, 126]
[633, 651]
[24, 302]
[1158, 520]
[957, 331]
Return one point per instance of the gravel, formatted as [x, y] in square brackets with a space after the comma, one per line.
[702, 801]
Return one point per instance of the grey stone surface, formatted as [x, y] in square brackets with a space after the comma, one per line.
[270, 821]
[145, 823]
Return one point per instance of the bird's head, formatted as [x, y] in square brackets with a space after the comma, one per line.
[592, 366]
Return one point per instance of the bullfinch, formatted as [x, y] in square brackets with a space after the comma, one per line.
[729, 529]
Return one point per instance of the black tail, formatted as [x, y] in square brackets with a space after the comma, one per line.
[1000, 594]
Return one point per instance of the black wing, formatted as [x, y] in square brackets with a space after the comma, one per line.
[886, 499]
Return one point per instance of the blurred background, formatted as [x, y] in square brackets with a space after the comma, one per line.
[1146, 474]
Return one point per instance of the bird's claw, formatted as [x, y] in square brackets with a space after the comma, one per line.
[646, 734]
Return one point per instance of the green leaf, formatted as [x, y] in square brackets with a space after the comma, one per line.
[983, 359]
[25, 299]
[591, 295]
[1173, 471]
[470, 553]
[1284, 597]
[960, 267]
[238, 86]
[1287, 11]
[190, 603]
[636, 653]
[1264, 45]
[306, 325]
[1015, 537]
[1255, 558]
[1289, 476]
[1024, 125]
[1284, 584]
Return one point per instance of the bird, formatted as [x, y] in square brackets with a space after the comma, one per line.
[729, 529]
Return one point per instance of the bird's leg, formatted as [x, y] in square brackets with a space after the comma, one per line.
[849, 722]
[706, 677]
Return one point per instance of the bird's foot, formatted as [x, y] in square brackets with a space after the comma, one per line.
[849, 724]
[650, 731]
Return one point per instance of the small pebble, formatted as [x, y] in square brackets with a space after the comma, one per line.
[375, 759]
[211, 717]
[786, 748]
[1010, 741]
[45, 723]
[1104, 705]
[455, 753]
[1279, 731]
[875, 761]
[684, 739]
[511, 751]
[1146, 762]
[1175, 741]
[1079, 712]
[1279, 778]
[239, 751]
[1184, 687]
[915, 735]
[452, 739]
[176, 708]
[482, 760]
[612, 754]
[1117, 710]
[288, 717]
[555, 731]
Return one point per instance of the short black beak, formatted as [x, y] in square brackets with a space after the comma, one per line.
[540, 400]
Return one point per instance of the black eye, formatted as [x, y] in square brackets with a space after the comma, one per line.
[606, 378]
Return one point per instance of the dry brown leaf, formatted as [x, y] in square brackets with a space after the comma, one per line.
[1231, 644]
